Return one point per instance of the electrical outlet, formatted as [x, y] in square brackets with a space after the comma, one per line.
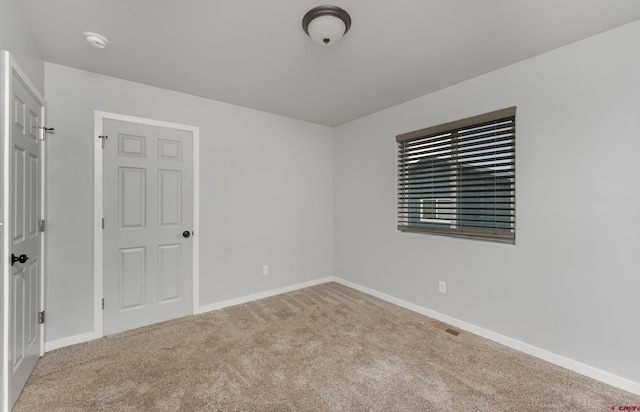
[442, 287]
[265, 270]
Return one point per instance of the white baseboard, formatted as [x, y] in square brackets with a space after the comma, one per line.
[581, 368]
[71, 340]
[85, 337]
[261, 295]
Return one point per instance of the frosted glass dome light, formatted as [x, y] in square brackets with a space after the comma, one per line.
[326, 24]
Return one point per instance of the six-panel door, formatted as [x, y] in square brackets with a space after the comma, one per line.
[25, 237]
[148, 195]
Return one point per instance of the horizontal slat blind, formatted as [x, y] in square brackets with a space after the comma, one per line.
[460, 181]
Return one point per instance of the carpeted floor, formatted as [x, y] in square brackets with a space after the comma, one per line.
[324, 348]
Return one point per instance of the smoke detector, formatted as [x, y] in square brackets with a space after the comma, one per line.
[95, 40]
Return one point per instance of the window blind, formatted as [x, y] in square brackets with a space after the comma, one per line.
[459, 178]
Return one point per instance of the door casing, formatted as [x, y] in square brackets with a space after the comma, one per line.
[98, 121]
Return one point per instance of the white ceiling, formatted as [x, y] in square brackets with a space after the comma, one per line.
[254, 53]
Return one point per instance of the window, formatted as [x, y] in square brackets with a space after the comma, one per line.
[437, 210]
[458, 178]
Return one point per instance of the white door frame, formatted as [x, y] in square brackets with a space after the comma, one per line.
[10, 67]
[98, 233]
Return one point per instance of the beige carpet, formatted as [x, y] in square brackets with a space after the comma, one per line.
[325, 348]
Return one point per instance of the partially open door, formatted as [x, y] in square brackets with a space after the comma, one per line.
[22, 219]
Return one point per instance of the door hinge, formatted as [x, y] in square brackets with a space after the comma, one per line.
[41, 317]
[103, 223]
[46, 130]
[102, 303]
[104, 139]
[43, 225]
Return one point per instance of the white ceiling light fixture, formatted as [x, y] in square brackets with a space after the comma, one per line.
[326, 24]
[96, 40]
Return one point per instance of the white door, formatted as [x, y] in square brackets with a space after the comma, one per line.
[25, 162]
[148, 221]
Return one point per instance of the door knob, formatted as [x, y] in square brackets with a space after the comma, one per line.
[21, 259]
[186, 234]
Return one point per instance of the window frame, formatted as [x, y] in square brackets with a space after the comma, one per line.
[454, 169]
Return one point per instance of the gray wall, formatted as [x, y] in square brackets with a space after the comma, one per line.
[570, 284]
[265, 193]
[16, 39]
